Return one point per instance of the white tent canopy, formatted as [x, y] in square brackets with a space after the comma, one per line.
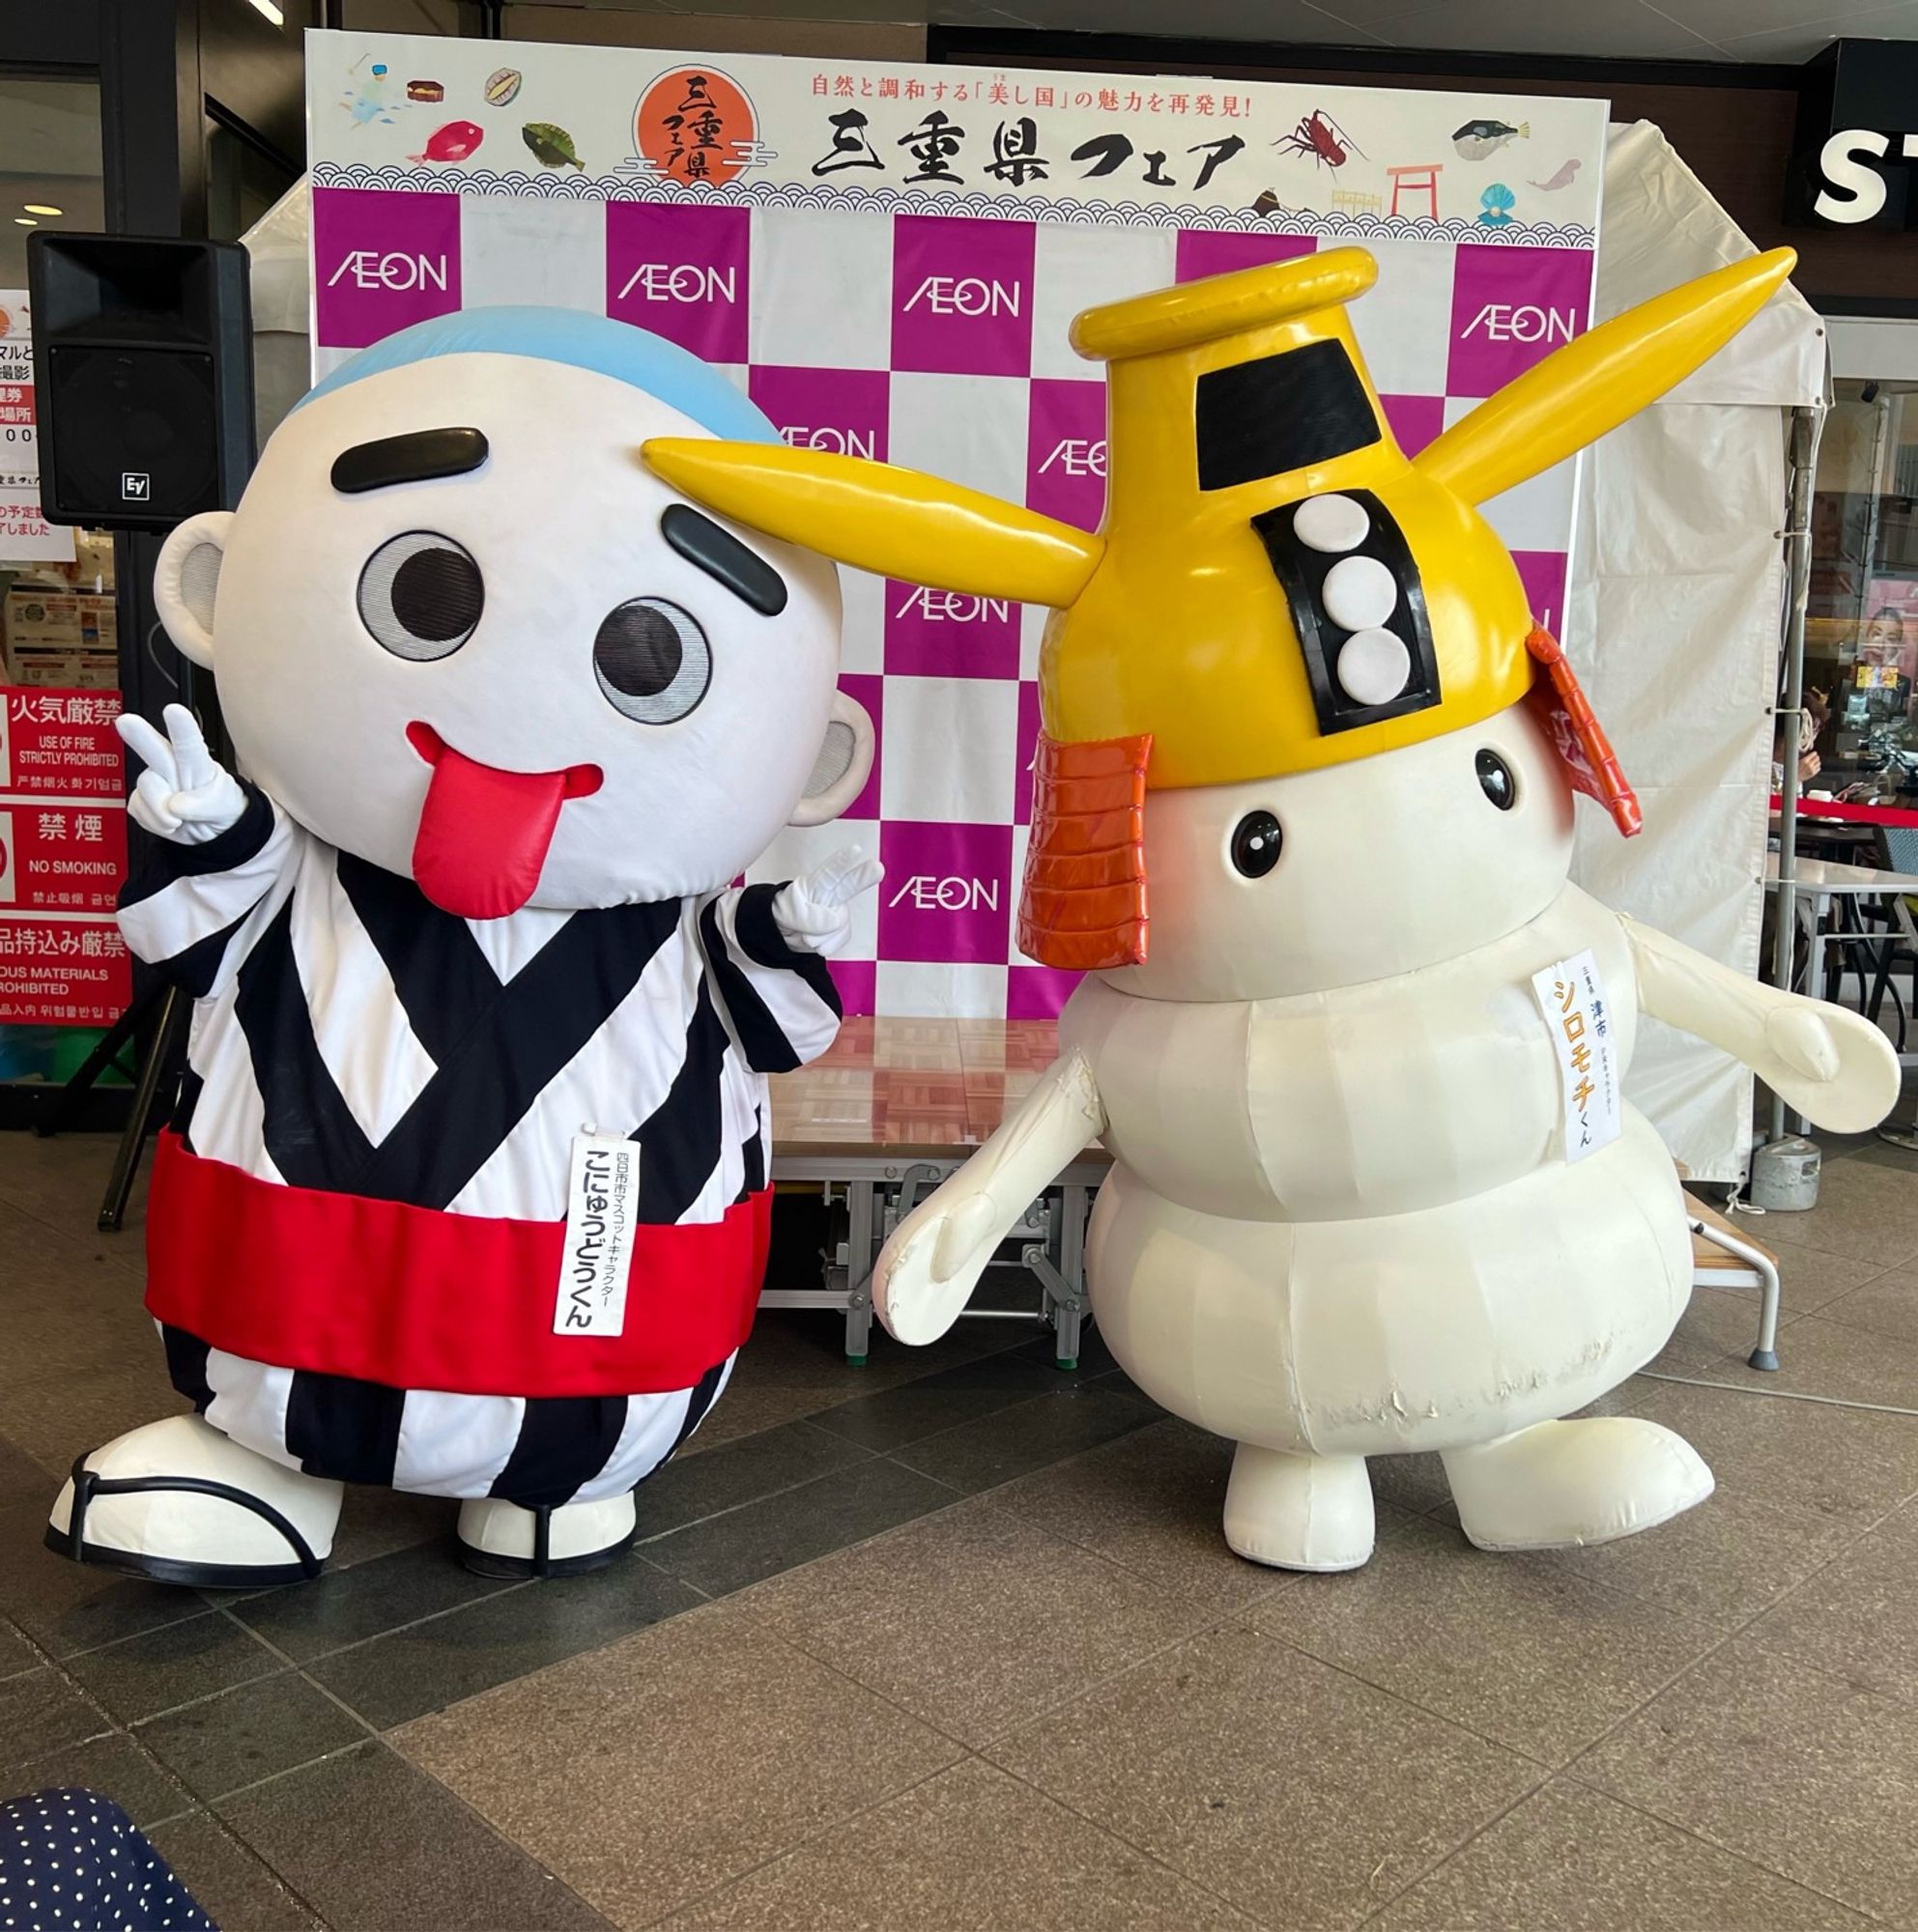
[279, 245]
[1672, 611]
[1672, 618]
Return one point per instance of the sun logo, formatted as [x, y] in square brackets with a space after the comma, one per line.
[697, 124]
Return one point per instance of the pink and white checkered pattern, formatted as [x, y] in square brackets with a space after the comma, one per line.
[939, 342]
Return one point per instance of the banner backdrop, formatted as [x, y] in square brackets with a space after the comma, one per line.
[887, 258]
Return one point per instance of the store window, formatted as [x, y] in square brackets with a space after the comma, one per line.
[1861, 632]
[63, 837]
[243, 179]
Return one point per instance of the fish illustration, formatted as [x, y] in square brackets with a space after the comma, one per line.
[1561, 178]
[1477, 139]
[501, 85]
[552, 147]
[453, 142]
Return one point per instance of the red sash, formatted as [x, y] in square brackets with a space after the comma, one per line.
[418, 1299]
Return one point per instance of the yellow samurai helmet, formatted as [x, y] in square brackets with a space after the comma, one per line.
[1276, 586]
[1196, 614]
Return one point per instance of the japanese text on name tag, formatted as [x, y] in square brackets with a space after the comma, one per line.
[1571, 995]
[602, 1199]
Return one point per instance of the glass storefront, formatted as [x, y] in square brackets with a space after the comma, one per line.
[1861, 634]
[62, 829]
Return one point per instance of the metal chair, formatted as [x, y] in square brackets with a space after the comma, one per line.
[1894, 850]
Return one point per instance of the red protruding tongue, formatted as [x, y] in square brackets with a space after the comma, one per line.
[484, 833]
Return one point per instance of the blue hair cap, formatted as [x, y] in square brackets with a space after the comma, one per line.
[635, 357]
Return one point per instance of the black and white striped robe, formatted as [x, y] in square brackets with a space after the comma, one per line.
[349, 1036]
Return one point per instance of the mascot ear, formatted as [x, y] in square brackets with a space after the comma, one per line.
[186, 581]
[844, 766]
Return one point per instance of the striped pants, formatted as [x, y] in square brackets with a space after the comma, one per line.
[533, 1451]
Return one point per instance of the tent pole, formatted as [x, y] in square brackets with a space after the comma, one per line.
[1806, 427]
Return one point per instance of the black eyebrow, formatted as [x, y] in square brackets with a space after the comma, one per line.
[416, 457]
[722, 557]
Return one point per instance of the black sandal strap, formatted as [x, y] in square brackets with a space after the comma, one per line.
[89, 1484]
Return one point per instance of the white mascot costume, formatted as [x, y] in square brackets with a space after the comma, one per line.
[466, 1189]
[1374, 1189]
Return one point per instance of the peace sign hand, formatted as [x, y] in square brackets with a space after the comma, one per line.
[813, 913]
[183, 794]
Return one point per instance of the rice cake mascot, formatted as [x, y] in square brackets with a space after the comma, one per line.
[467, 1190]
[1373, 1187]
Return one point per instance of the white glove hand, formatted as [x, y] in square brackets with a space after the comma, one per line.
[182, 794]
[934, 1261]
[813, 914]
[1832, 1065]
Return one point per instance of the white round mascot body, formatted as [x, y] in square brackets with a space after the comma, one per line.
[466, 1189]
[1356, 1057]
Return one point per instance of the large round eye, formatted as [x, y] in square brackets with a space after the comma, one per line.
[422, 595]
[1256, 841]
[652, 660]
[1495, 781]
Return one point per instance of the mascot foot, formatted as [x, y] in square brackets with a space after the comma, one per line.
[1559, 1485]
[1299, 1512]
[181, 1503]
[501, 1539]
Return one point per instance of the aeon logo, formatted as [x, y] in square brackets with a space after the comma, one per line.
[1502, 322]
[1076, 456]
[841, 442]
[951, 607]
[928, 892]
[681, 283]
[964, 295]
[368, 268]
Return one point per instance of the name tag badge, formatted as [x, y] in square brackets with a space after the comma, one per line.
[1571, 995]
[602, 1204]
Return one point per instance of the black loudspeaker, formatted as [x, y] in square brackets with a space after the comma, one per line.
[143, 369]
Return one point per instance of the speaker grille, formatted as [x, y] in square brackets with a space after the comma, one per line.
[136, 427]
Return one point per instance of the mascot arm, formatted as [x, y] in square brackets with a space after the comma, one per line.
[192, 910]
[1832, 1065]
[780, 1001]
[220, 847]
[936, 1255]
[766, 948]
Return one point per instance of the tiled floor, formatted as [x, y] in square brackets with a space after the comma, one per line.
[952, 1641]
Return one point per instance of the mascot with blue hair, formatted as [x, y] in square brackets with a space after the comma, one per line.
[466, 1189]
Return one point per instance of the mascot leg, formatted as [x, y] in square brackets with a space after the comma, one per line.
[1299, 1512]
[502, 1539]
[1560, 1484]
[181, 1503]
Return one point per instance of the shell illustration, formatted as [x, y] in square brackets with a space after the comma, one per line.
[502, 85]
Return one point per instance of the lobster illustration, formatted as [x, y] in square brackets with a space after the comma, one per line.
[1319, 135]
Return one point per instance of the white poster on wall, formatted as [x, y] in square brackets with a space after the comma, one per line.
[25, 535]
